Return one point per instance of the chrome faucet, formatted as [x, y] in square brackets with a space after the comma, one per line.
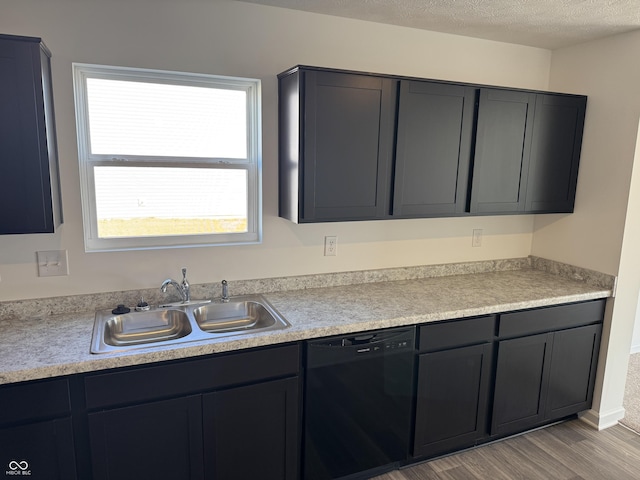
[183, 288]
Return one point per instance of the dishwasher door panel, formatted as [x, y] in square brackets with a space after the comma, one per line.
[358, 410]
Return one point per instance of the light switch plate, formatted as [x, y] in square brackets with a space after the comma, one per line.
[52, 263]
[476, 237]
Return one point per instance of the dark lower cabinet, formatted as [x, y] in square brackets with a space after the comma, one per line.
[251, 432]
[222, 417]
[36, 435]
[41, 450]
[521, 385]
[544, 377]
[488, 377]
[573, 370]
[159, 440]
[208, 436]
[452, 399]
[454, 384]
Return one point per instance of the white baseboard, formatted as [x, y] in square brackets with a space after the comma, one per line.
[635, 349]
[602, 421]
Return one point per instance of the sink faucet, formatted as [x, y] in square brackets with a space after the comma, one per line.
[183, 288]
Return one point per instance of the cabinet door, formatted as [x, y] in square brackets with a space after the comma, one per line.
[573, 368]
[503, 144]
[160, 440]
[520, 385]
[433, 148]
[252, 432]
[348, 137]
[451, 408]
[555, 153]
[25, 185]
[42, 450]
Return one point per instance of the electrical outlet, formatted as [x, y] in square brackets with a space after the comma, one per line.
[330, 246]
[476, 237]
[52, 263]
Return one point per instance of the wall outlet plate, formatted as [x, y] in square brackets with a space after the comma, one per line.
[52, 263]
[330, 246]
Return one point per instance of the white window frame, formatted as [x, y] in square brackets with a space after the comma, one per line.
[252, 164]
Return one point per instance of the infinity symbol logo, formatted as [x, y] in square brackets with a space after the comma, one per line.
[23, 465]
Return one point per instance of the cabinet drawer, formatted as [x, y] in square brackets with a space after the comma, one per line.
[457, 333]
[190, 376]
[34, 401]
[547, 319]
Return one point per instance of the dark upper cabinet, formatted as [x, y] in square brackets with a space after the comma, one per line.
[503, 144]
[433, 148]
[336, 137]
[357, 146]
[555, 153]
[28, 153]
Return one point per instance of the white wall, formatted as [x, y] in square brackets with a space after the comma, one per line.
[238, 39]
[635, 341]
[604, 232]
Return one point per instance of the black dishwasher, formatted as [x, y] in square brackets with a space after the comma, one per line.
[358, 403]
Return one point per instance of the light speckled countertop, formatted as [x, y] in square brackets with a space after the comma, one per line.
[55, 345]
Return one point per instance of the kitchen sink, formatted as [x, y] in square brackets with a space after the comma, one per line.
[239, 315]
[183, 323]
[146, 327]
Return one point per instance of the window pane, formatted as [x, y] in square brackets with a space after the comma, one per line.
[161, 201]
[153, 119]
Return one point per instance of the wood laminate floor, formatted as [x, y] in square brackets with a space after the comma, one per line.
[566, 451]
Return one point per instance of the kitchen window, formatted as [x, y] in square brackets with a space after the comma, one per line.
[167, 159]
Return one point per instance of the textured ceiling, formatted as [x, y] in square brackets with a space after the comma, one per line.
[539, 23]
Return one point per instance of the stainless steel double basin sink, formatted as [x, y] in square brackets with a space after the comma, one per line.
[179, 323]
